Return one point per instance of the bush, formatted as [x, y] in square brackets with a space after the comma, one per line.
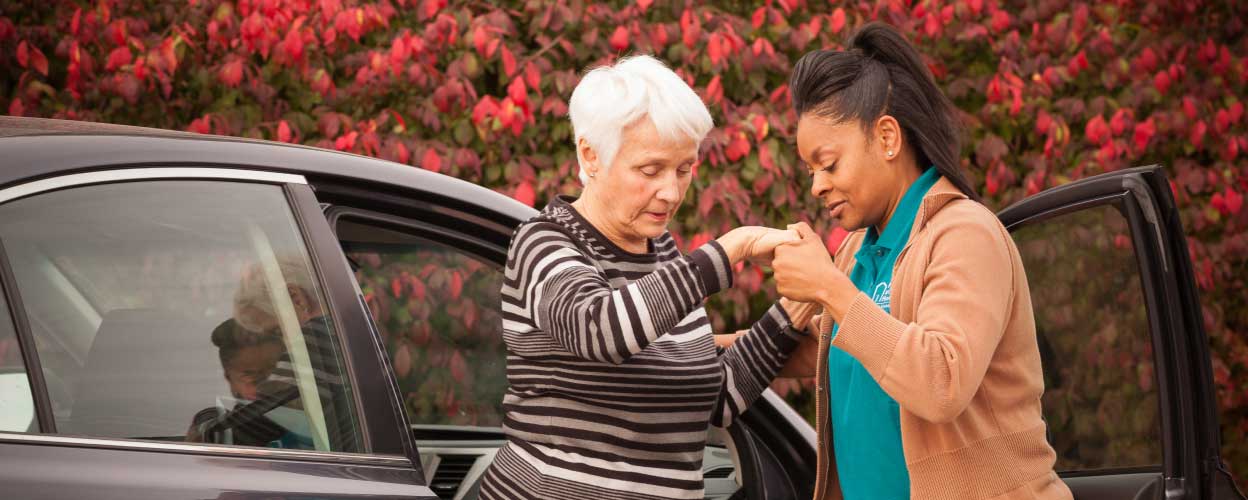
[1051, 91]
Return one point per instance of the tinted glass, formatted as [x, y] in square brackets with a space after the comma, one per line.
[1100, 399]
[179, 311]
[437, 309]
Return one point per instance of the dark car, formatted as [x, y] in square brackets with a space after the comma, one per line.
[190, 316]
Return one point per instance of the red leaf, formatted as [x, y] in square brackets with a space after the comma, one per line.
[38, 61]
[760, 127]
[838, 20]
[509, 63]
[283, 131]
[1000, 20]
[660, 36]
[459, 367]
[431, 161]
[1236, 111]
[480, 39]
[1144, 132]
[524, 193]
[1161, 82]
[76, 22]
[23, 54]
[1234, 201]
[485, 108]
[644, 5]
[1118, 124]
[346, 142]
[1043, 122]
[619, 39]
[531, 76]
[714, 91]
[457, 285]
[396, 287]
[1198, 134]
[1096, 131]
[738, 146]
[1189, 107]
[119, 57]
[16, 108]
[517, 92]
[759, 16]
[231, 73]
[714, 50]
[1221, 121]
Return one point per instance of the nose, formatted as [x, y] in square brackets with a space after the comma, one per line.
[669, 192]
[819, 186]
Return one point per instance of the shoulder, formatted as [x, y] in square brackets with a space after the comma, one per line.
[970, 228]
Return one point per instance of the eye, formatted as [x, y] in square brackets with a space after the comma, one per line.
[649, 170]
[684, 170]
[829, 168]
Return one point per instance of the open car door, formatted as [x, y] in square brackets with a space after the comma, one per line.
[1129, 397]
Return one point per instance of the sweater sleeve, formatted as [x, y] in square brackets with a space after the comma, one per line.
[751, 363]
[575, 304]
[934, 365]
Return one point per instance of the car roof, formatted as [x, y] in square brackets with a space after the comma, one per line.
[34, 148]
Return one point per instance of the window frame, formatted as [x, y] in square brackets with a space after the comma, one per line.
[297, 195]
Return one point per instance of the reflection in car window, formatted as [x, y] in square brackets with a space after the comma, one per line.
[17, 408]
[179, 311]
[1100, 399]
[437, 309]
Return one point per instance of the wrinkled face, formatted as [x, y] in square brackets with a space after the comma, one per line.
[250, 366]
[849, 172]
[645, 184]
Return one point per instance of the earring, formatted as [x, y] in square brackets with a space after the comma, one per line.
[890, 154]
[591, 174]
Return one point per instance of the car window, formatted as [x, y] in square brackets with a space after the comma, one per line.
[17, 407]
[179, 311]
[436, 307]
[1101, 396]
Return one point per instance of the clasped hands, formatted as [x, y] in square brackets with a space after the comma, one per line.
[802, 267]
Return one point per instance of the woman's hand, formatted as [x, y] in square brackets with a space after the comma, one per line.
[804, 272]
[755, 242]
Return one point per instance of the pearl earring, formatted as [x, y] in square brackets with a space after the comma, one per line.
[890, 154]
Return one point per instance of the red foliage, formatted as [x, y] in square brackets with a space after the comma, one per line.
[1050, 92]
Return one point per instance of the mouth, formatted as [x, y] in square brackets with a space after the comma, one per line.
[835, 208]
[658, 216]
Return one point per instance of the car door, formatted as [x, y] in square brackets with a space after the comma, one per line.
[186, 333]
[429, 268]
[1128, 387]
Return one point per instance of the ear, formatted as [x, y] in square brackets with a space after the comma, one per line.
[890, 140]
[588, 157]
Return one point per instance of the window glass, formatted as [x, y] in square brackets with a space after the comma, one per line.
[1100, 399]
[437, 309]
[179, 311]
[17, 408]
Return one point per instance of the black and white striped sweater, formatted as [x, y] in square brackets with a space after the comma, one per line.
[613, 374]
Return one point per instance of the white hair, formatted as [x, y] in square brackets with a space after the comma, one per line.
[611, 98]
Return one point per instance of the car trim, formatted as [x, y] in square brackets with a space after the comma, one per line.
[133, 174]
[199, 449]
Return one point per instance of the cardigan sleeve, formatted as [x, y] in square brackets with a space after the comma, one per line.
[934, 365]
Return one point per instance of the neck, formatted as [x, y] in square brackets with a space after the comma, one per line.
[908, 177]
[595, 213]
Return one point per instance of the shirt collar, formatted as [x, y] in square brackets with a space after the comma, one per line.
[899, 224]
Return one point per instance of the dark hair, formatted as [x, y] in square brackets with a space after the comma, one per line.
[230, 338]
[881, 73]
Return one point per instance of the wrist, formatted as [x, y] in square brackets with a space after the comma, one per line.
[836, 300]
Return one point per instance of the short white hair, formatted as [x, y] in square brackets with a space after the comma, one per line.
[611, 98]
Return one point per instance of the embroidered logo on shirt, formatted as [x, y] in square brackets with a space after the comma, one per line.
[882, 294]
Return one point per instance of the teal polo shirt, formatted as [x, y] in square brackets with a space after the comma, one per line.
[866, 422]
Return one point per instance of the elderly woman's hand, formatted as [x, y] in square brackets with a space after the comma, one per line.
[804, 272]
[755, 242]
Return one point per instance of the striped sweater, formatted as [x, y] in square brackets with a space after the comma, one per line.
[613, 375]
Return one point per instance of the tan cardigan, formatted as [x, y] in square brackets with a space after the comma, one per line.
[958, 354]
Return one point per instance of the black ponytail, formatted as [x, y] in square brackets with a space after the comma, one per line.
[881, 73]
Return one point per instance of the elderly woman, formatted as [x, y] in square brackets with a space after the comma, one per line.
[614, 377]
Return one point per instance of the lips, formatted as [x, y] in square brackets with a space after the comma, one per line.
[835, 208]
[658, 216]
